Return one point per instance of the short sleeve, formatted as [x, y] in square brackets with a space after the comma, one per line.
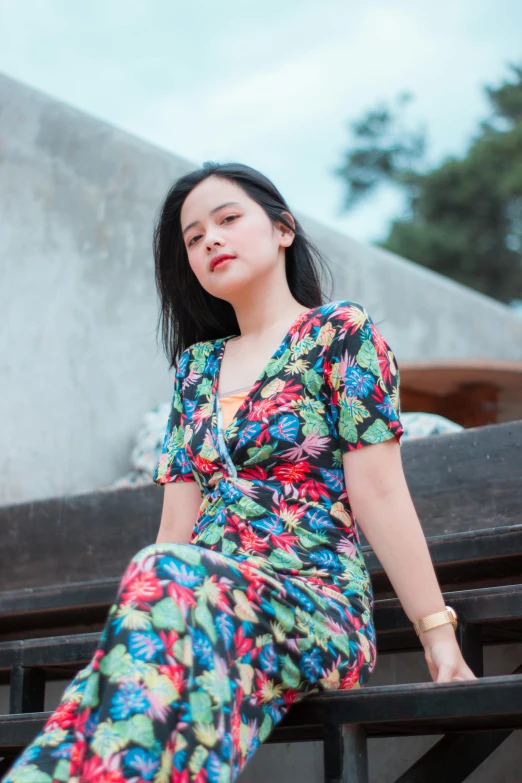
[362, 378]
[174, 464]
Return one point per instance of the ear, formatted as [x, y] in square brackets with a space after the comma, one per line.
[287, 236]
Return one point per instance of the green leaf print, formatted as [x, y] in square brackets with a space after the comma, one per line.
[347, 426]
[30, 774]
[189, 554]
[200, 707]
[167, 615]
[51, 738]
[114, 663]
[197, 759]
[377, 432]
[356, 409]
[315, 423]
[308, 539]
[228, 547]
[90, 695]
[208, 450]
[181, 651]
[290, 673]
[265, 728]
[275, 366]
[259, 453]
[107, 740]
[340, 640]
[204, 618]
[251, 508]
[224, 773]
[211, 534]
[133, 619]
[61, 772]
[305, 643]
[140, 731]
[280, 558]
[283, 614]
[216, 685]
[161, 688]
[321, 628]
[176, 441]
[313, 381]
[367, 358]
[204, 387]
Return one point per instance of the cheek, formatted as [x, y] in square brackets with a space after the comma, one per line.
[197, 262]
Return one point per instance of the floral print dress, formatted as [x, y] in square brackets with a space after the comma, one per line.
[210, 643]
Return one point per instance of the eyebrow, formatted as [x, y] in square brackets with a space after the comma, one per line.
[212, 211]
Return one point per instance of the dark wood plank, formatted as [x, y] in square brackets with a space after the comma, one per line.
[420, 708]
[489, 703]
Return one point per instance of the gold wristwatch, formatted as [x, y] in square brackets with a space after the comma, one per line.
[449, 615]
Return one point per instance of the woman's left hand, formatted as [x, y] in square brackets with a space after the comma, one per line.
[443, 655]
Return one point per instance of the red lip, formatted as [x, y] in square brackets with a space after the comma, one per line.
[217, 259]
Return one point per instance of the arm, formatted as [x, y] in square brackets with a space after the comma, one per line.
[182, 495]
[383, 508]
[181, 503]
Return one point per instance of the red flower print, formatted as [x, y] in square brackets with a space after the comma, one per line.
[350, 679]
[203, 465]
[255, 473]
[242, 644]
[381, 346]
[252, 542]
[284, 541]
[313, 489]
[175, 673]
[292, 472]
[184, 596]
[142, 590]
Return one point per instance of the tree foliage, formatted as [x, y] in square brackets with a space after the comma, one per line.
[464, 216]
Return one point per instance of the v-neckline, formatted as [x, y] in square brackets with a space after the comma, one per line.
[254, 389]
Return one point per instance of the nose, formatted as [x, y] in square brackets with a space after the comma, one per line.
[211, 242]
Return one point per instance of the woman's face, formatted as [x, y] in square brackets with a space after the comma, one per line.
[240, 228]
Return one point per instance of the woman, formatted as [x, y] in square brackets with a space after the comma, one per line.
[256, 592]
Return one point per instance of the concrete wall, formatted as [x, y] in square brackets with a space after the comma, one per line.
[79, 360]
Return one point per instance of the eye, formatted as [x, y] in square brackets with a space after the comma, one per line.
[198, 235]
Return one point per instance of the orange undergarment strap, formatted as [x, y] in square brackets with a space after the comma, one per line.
[229, 404]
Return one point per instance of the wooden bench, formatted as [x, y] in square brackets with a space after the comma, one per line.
[49, 630]
[344, 720]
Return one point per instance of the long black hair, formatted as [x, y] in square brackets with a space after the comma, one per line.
[189, 313]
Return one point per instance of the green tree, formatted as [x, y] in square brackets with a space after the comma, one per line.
[463, 217]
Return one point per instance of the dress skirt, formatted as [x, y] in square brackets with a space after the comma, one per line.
[200, 657]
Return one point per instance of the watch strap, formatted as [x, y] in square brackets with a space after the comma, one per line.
[448, 615]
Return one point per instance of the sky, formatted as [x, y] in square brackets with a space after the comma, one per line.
[273, 84]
